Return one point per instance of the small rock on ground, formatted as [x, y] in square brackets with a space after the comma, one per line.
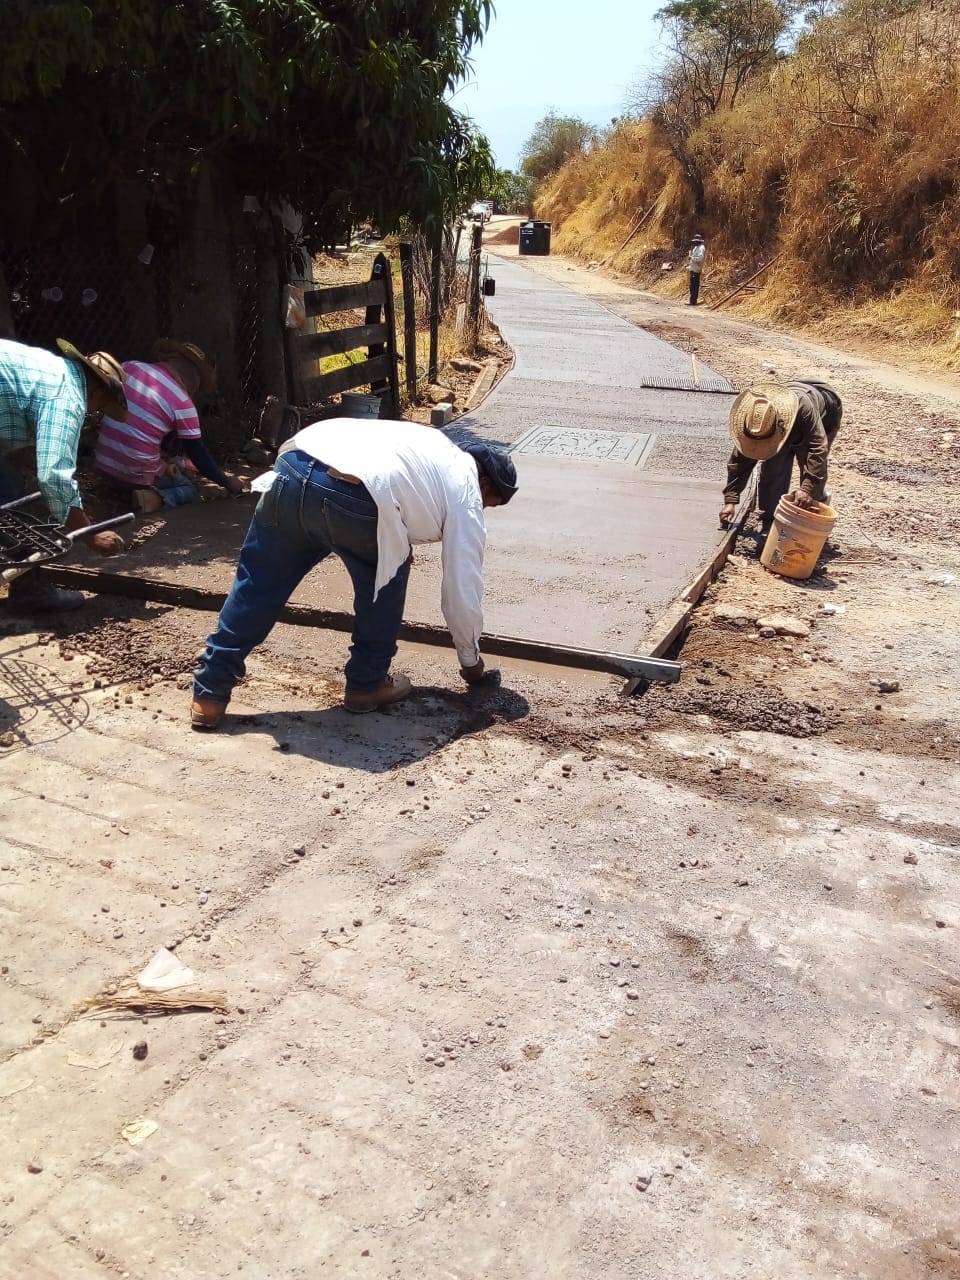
[784, 625]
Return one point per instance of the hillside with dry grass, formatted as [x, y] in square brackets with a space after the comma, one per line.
[840, 161]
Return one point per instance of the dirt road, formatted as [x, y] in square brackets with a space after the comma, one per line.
[524, 981]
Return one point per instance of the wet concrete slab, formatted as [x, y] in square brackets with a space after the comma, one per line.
[589, 557]
[619, 485]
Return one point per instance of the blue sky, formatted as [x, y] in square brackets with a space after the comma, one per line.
[579, 58]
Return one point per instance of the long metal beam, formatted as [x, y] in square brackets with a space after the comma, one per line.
[650, 669]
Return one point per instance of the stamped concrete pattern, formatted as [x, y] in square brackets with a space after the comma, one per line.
[603, 446]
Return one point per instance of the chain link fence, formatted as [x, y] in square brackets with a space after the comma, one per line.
[84, 293]
[215, 295]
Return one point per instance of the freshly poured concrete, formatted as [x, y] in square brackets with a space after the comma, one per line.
[589, 552]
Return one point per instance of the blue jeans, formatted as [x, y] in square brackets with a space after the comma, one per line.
[176, 490]
[304, 517]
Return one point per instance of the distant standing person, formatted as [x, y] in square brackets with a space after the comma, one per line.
[162, 420]
[698, 251]
[774, 424]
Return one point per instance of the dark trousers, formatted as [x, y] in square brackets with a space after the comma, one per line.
[11, 482]
[694, 287]
[775, 477]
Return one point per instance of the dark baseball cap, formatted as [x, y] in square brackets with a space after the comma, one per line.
[497, 465]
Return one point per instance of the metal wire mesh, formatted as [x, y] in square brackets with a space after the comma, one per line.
[24, 537]
[83, 292]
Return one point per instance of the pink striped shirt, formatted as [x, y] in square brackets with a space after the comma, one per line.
[156, 405]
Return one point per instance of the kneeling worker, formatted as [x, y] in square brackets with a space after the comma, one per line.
[161, 416]
[773, 424]
[367, 491]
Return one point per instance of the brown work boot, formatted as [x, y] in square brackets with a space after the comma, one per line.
[207, 714]
[147, 501]
[392, 689]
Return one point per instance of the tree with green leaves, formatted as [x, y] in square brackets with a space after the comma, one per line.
[554, 140]
[511, 192]
[339, 108]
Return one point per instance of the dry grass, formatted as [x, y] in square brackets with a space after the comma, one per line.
[844, 161]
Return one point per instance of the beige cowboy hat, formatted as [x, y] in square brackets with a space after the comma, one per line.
[761, 418]
[107, 369]
[164, 348]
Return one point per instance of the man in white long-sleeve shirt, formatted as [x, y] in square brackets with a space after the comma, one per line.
[368, 492]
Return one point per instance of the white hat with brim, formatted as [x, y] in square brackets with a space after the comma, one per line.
[761, 418]
[107, 369]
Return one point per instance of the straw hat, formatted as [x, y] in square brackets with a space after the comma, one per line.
[165, 348]
[761, 419]
[107, 369]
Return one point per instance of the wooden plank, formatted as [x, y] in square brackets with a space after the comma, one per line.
[635, 227]
[375, 314]
[344, 297]
[186, 597]
[352, 375]
[436, 243]
[338, 341]
[740, 287]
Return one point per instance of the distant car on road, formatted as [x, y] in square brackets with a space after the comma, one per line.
[480, 211]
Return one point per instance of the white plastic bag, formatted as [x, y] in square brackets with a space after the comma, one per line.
[165, 973]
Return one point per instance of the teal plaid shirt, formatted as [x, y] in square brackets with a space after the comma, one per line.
[43, 401]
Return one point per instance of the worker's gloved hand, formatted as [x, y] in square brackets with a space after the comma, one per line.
[234, 486]
[727, 512]
[107, 543]
[801, 499]
[474, 674]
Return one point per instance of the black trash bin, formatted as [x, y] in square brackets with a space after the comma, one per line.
[535, 238]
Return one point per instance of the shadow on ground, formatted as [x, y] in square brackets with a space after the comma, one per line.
[382, 741]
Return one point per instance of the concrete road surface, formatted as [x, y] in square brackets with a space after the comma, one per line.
[520, 981]
[619, 484]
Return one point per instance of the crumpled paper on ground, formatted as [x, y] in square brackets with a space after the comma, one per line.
[137, 1131]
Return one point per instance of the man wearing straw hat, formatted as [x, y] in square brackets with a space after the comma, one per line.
[162, 413]
[772, 424]
[44, 401]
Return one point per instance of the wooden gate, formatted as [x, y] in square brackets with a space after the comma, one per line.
[377, 335]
